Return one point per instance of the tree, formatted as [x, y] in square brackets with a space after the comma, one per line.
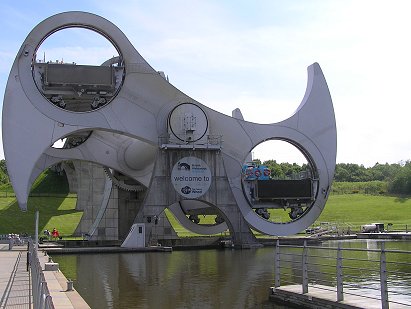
[401, 182]
[4, 177]
[275, 168]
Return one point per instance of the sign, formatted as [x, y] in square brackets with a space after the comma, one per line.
[191, 177]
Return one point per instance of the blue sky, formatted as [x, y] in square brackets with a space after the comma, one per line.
[253, 55]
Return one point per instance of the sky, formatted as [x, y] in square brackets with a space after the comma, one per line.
[254, 55]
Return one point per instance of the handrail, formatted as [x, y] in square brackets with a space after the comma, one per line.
[41, 295]
[300, 264]
[348, 249]
[6, 194]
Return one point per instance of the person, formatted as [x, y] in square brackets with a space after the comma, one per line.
[47, 234]
[11, 242]
[55, 234]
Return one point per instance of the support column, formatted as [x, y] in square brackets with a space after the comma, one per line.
[162, 194]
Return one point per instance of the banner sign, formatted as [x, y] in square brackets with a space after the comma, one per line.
[191, 177]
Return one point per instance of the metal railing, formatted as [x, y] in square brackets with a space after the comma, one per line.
[370, 273]
[210, 142]
[41, 295]
[339, 228]
[11, 194]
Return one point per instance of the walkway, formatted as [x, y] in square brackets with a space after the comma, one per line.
[14, 278]
[15, 285]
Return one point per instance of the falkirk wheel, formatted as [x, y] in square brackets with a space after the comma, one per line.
[178, 153]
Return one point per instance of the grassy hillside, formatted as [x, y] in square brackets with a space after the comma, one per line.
[50, 195]
[58, 212]
[51, 183]
[48, 183]
[358, 209]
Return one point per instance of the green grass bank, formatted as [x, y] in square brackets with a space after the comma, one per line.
[50, 195]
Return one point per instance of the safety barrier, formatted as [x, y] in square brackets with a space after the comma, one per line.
[41, 295]
[11, 194]
[369, 273]
[166, 140]
[339, 228]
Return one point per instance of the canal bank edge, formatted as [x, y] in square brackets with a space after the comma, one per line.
[209, 242]
[57, 284]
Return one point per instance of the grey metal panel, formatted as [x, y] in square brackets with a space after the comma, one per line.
[285, 189]
[85, 75]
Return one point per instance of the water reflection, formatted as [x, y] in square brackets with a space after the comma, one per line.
[212, 278]
[182, 279]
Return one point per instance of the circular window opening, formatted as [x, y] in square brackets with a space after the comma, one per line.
[77, 69]
[201, 213]
[278, 181]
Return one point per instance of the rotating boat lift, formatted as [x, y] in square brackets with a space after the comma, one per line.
[126, 116]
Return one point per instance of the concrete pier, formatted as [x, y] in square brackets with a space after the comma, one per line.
[320, 296]
[78, 250]
[388, 235]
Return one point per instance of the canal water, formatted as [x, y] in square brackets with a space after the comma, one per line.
[198, 278]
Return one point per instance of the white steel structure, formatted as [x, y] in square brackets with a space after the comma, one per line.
[126, 116]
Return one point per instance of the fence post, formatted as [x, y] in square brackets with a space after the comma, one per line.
[277, 265]
[28, 261]
[37, 292]
[40, 295]
[339, 272]
[49, 302]
[383, 278]
[305, 268]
